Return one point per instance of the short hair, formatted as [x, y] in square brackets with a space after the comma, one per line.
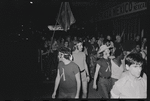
[133, 58]
[66, 51]
[76, 46]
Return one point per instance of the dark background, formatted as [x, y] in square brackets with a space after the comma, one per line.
[20, 72]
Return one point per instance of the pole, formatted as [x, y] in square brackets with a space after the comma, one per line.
[41, 61]
[54, 27]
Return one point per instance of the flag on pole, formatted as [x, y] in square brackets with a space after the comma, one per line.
[65, 17]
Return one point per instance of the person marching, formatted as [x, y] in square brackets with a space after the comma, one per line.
[68, 76]
[103, 68]
[117, 67]
[79, 58]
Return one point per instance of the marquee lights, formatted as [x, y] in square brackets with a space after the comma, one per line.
[31, 2]
[57, 27]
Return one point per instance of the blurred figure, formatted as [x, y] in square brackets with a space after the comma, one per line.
[137, 40]
[70, 42]
[62, 42]
[66, 44]
[117, 44]
[109, 39]
[75, 40]
[117, 67]
[92, 55]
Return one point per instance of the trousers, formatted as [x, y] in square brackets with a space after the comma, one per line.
[105, 85]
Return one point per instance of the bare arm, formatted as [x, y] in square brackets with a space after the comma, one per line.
[85, 65]
[57, 81]
[96, 74]
[77, 76]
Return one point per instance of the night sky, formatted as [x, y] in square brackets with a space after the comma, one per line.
[40, 13]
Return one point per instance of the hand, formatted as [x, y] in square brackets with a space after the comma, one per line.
[94, 86]
[88, 78]
[53, 95]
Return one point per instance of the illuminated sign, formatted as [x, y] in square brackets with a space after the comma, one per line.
[122, 9]
[125, 8]
[55, 27]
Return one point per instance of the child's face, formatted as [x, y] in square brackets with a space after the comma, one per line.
[135, 70]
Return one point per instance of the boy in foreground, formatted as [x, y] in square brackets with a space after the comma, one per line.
[131, 85]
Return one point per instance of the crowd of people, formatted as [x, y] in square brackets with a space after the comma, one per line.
[118, 67]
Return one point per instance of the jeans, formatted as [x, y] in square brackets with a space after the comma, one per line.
[105, 86]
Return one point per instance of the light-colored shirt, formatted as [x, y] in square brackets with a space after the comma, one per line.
[116, 71]
[79, 59]
[127, 88]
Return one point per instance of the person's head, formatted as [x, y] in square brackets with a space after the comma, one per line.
[144, 39]
[66, 43]
[118, 38]
[104, 51]
[137, 48]
[108, 37]
[93, 40]
[64, 53]
[119, 54]
[62, 40]
[134, 63]
[55, 41]
[75, 38]
[107, 42]
[78, 46]
[80, 39]
[137, 38]
[68, 38]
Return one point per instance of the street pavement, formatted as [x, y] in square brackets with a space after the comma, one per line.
[37, 91]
